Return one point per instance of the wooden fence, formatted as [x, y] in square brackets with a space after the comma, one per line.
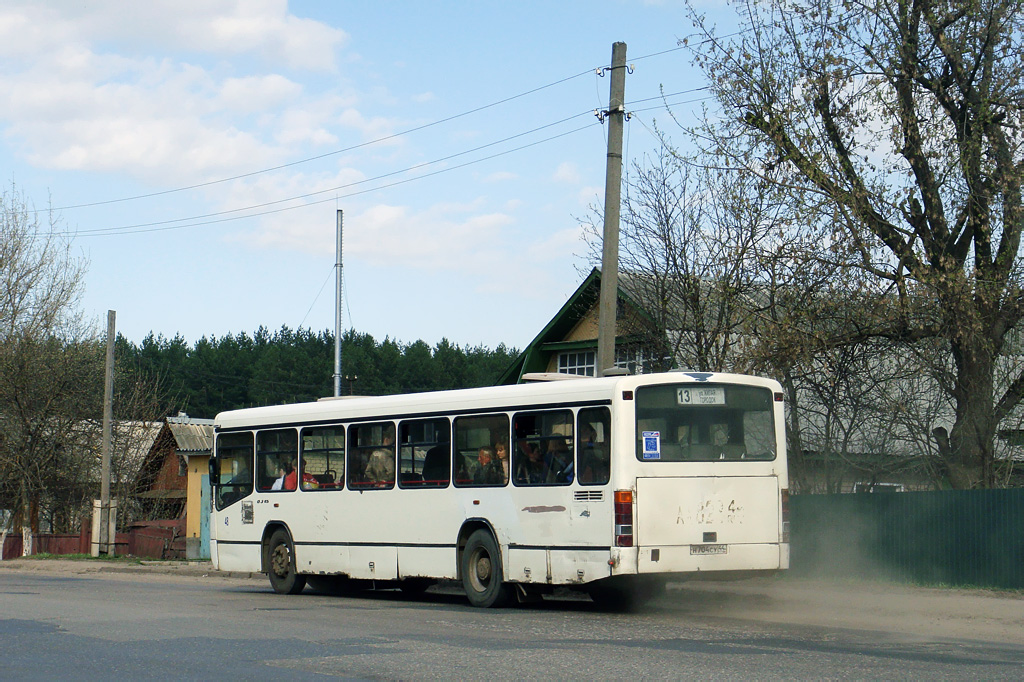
[150, 540]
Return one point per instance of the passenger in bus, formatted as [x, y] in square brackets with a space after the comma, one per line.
[288, 478]
[501, 451]
[531, 469]
[593, 459]
[488, 471]
[462, 469]
[380, 469]
[559, 461]
[436, 463]
[309, 481]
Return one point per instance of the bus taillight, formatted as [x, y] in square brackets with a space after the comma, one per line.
[623, 518]
[785, 515]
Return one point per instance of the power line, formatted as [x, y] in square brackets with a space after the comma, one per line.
[133, 229]
[351, 148]
[326, 154]
[317, 297]
[331, 189]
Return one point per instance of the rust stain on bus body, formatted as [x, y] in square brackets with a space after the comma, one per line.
[543, 510]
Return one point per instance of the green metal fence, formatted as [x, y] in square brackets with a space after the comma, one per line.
[963, 537]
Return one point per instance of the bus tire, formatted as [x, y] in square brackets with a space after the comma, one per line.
[482, 577]
[281, 564]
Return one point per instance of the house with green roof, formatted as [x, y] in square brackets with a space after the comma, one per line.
[568, 343]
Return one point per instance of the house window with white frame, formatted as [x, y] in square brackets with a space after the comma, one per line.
[581, 363]
[630, 359]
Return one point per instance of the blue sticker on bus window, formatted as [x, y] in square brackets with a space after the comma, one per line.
[652, 444]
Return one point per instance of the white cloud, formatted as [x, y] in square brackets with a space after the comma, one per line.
[101, 88]
[588, 196]
[263, 29]
[558, 247]
[567, 172]
[500, 176]
[371, 128]
[257, 93]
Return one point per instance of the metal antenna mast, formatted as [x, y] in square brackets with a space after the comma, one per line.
[337, 313]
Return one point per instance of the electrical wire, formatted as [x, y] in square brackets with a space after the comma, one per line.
[326, 154]
[353, 147]
[317, 297]
[339, 187]
[162, 226]
[191, 221]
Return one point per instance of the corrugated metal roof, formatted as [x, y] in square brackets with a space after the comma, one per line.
[192, 437]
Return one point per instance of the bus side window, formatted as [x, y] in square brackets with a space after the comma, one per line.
[371, 455]
[425, 453]
[323, 458]
[542, 448]
[478, 442]
[593, 442]
[234, 461]
[276, 460]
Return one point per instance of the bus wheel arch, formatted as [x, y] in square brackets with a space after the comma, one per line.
[481, 566]
[279, 560]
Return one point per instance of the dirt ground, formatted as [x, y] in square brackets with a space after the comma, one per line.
[906, 611]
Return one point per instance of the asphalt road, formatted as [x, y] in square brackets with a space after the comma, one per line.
[84, 623]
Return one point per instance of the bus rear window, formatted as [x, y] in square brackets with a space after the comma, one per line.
[704, 423]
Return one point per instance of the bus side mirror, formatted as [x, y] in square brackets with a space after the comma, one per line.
[213, 471]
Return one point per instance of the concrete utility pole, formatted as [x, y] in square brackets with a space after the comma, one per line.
[337, 313]
[106, 542]
[612, 192]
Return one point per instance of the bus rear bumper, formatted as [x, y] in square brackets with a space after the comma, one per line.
[713, 558]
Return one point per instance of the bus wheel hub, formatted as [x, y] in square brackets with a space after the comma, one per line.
[279, 561]
[483, 569]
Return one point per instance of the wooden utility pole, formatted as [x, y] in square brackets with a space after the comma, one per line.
[612, 193]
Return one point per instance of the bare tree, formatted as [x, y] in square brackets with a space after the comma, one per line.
[691, 243]
[896, 126]
[48, 363]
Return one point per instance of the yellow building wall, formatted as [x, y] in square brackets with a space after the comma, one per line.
[586, 330]
[198, 466]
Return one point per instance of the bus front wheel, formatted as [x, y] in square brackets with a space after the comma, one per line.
[481, 571]
[281, 565]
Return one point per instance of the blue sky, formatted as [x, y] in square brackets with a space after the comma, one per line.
[148, 124]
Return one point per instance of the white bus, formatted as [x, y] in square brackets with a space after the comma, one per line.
[609, 485]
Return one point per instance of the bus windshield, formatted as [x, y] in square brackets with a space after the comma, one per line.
[704, 423]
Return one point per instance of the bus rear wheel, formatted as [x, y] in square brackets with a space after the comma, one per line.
[281, 565]
[482, 576]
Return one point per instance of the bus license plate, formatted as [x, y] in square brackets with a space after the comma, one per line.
[709, 549]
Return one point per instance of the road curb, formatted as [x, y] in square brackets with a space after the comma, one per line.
[199, 569]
